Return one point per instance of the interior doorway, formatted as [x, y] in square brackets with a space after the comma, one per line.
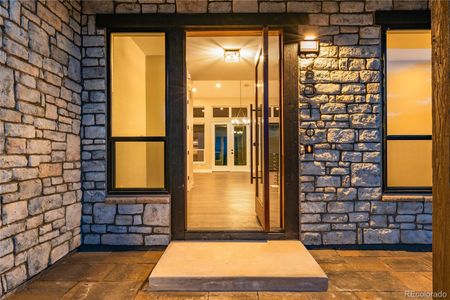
[234, 125]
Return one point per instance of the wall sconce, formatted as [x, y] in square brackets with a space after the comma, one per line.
[232, 55]
[309, 149]
[308, 46]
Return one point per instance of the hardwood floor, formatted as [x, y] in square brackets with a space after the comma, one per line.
[226, 201]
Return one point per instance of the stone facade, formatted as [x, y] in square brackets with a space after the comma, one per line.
[40, 119]
[341, 183]
[137, 222]
[341, 195]
[53, 101]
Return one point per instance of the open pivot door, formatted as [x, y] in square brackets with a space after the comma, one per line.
[259, 135]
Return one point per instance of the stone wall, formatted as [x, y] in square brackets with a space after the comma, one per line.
[341, 183]
[40, 117]
[112, 220]
[341, 198]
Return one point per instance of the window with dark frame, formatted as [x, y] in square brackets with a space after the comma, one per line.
[221, 112]
[407, 111]
[199, 142]
[137, 109]
[199, 112]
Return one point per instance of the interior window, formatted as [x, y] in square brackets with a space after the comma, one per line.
[199, 142]
[221, 112]
[408, 109]
[199, 112]
[137, 137]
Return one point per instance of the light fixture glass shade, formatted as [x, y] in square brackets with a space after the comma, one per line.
[232, 55]
[309, 46]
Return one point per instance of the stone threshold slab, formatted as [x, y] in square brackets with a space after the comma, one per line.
[237, 266]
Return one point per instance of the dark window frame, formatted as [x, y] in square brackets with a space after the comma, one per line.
[111, 189]
[399, 20]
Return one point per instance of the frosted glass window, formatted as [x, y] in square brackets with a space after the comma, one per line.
[409, 163]
[138, 84]
[139, 165]
[137, 112]
[409, 82]
[408, 109]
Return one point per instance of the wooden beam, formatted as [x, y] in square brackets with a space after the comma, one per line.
[219, 20]
[176, 127]
[441, 145]
[400, 18]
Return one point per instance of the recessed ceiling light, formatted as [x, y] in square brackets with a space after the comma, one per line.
[218, 85]
[232, 55]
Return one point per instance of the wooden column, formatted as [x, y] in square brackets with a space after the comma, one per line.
[441, 146]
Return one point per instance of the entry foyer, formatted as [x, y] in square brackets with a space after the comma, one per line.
[225, 130]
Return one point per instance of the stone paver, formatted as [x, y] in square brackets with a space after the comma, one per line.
[353, 274]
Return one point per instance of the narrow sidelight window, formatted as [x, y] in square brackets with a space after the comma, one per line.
[137, 123]
[199, 142]
[408, 110]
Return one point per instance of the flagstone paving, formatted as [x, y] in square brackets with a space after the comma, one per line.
[353, 274]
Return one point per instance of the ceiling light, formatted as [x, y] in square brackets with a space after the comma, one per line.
[232, 55]
[194, 90]
[218, 85]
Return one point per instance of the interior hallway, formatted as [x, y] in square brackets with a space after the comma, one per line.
[226, 201]
[222, 200]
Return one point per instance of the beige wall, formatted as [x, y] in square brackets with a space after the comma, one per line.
[128, 101]
[155, 116]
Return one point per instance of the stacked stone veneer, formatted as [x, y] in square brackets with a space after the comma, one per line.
[341, 189]
[40, 117]
[341, 183]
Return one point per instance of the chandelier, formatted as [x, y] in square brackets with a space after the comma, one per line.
[241, 118]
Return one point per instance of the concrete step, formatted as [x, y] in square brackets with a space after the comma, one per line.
[237, 266]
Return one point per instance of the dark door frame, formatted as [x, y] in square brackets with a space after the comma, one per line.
[175, 26]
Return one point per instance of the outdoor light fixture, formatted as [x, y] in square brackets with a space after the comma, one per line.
[232, 55]
[309, 149]
[194, 90]
[218, 85]
[309, 45]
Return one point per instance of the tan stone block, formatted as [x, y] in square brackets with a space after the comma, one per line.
[39, 147]
[48, 170]
[73, 147]
[191, 6]
[245, 6]
[15, 146]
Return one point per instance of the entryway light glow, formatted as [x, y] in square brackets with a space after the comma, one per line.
[232, 55]
[310, 44]
[218, 85]
[194, 90]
